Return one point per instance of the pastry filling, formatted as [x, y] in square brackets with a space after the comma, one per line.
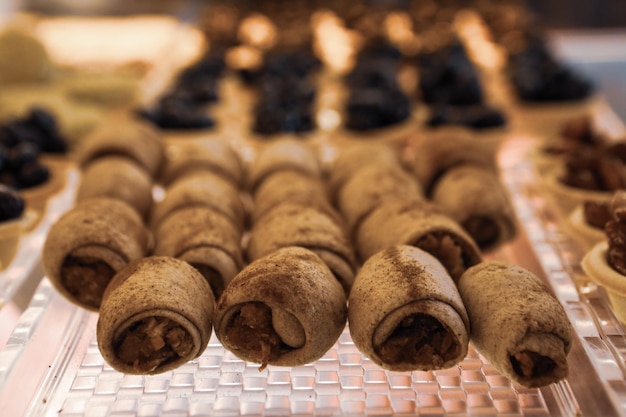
[213, 277]
[250, 330]
[528, 364]
[446, 250]
[419, 338]
[86, 279]
[483, 230]
[151, 343]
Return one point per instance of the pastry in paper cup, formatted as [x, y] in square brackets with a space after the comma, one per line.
[88, 244]
[597, 269]
[284, 309]
[517, 324]
[405, 312]
[156, 315]
[585, 233]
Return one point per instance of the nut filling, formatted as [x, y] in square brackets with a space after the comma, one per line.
[152, 342]
[86, 278]
[530, 364]
[444, 247]
[482, 229]
[250, 330]
[419, 338]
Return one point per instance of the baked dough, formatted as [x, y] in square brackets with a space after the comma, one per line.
[88, 244]
[156, 315]
[517, 323]
[283, 309]
[405, 312]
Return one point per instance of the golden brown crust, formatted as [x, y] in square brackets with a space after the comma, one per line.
[170, 326]
[421, 224]
[295, 285]
[95, 232]
[201, 188]
[405, 312]
[517, 323]
[117, 177]
[132, 138]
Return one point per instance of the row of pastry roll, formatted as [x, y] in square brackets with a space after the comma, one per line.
[288, 305]
[152, 274]
[424, 292]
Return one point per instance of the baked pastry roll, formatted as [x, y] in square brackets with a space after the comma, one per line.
[291, 224]
[433, 154]
[405, 312]
[285, 309]
[207, 154]
[132, 138]
[369, 186]
[292, 186]
[517, 324]
[204, 238]
[475, 197]
[117, 177]
[420, 224]
[353, 157]
[283, 154]
[156, 314]
[88, 244]
[201, 188]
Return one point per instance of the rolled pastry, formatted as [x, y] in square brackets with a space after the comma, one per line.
[420, 224]
[132, 138]
[291, 224]
[369, 186]
[283, 309]
[405, 312]
[283, 154]
[204, 238]
[434, 153]
[475, 197]
[117, 177]
[207, 154]
[156, 314]
[355, 156]
[201, 188]
[293, 186]
[517, 324]
[88, 244]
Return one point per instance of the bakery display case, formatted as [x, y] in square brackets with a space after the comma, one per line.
[255, 151]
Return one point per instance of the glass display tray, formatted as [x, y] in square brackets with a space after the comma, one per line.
[51, 364]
